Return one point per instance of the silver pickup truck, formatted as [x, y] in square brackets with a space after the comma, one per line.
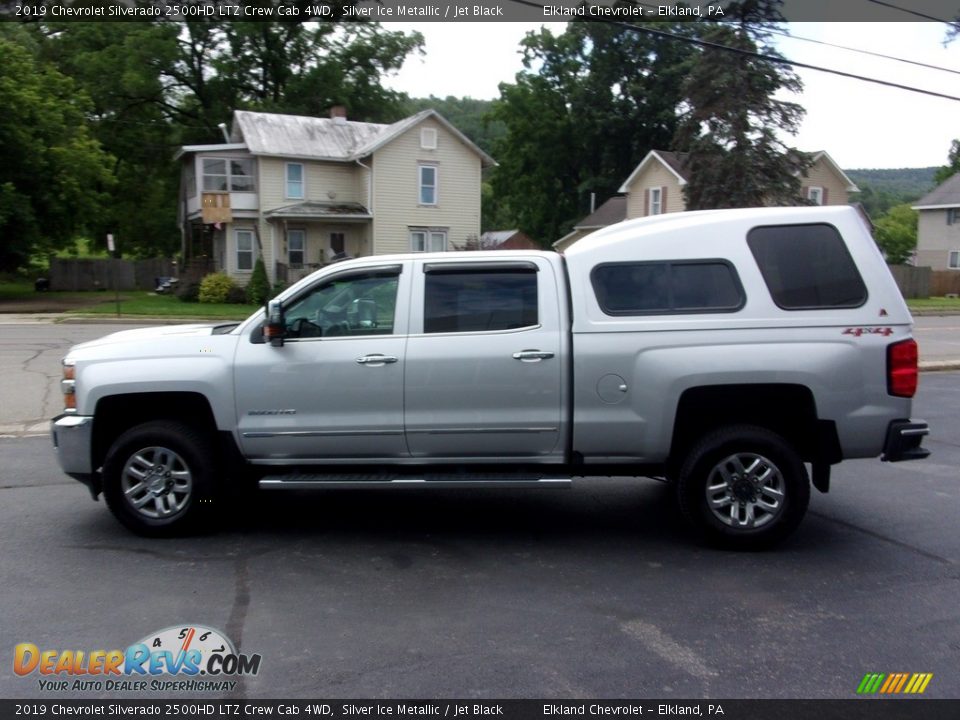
[722, 351]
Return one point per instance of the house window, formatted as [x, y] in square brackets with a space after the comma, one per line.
[220, 175]
[337, 245]
[428, 240]
[296, 244]
[214, 175]
[815, 195]
[953, 215]
[428, 138]
[428, 185]
[295, 181]
[656, 201]
[244, 249]
[954, 261]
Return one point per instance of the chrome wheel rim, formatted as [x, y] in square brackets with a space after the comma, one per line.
[745, 491]
[156, 483]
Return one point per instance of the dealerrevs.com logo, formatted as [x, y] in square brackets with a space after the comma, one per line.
[180, 658]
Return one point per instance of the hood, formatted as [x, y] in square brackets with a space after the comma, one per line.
[156, 334]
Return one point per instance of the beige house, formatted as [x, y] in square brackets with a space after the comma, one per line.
[938, 227]
[656, 186]
[301, 192]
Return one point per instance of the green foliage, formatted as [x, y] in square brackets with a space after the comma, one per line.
[214, 288]
[880, 190]
[236, 295]
[953, 164]
[258, 289]
[732, 122]
[471, 117]
[896, 233]
[601, 98]
[54, 176]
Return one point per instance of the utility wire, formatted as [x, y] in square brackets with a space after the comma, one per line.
[833, 45]
[916, 13]
[757, 55]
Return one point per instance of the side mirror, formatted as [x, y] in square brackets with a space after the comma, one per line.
[275, 327]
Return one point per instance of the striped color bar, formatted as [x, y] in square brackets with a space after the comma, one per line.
[894, 683]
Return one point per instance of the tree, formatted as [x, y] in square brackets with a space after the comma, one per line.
[953, 164]
[896, 234]
[54, 176]
[731, 117]
[602, 97]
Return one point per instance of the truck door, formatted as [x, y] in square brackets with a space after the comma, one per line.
[484, 361]
[334, 390]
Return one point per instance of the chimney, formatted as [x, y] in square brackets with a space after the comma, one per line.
[338, 113]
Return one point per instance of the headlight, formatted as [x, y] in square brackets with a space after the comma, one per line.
[68, 386]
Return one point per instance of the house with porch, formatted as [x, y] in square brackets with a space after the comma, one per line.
[301, 192]
[656, 186]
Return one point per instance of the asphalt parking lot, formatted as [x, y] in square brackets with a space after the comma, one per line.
[596, 591]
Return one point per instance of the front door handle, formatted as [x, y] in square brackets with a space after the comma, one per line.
[532, 355]
[376, 360]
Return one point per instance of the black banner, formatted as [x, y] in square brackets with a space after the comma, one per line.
[865, 709]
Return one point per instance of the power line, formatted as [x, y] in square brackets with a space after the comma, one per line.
[916, 13]
[834, 45]
[864, 52]
[759, 56]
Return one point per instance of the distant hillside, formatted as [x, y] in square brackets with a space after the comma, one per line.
[882, 189]
[467, 115]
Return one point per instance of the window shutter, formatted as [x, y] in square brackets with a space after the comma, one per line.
[823, 197]
[646, 202]
[805, 192]
[663, 199]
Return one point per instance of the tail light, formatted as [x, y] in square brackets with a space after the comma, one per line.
[902, 373]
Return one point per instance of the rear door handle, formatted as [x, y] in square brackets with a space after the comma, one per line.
[376, 360]
[532, 355]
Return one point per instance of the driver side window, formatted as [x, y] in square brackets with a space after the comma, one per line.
[355, 305]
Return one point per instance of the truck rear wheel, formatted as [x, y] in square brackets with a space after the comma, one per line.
[158, 478]
[743, 487]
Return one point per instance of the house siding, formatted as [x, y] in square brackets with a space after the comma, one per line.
[655, 175]
[936, 239]
[395, 180]
[321, 180]
[822, 175]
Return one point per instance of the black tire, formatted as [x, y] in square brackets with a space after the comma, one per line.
[743, 487]
[177, 464]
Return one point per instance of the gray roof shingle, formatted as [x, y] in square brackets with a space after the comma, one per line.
[946, 193]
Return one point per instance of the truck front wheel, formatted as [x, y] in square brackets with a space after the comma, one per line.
[158, 478]
[744, 487]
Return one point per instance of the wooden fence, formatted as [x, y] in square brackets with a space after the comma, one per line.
[914, 282]
[86, 274]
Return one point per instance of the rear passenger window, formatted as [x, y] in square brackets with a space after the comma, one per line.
[679, 286]
[479, 301]
[807, 267]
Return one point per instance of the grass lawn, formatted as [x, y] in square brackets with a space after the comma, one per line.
[935, 303]
[151, 304]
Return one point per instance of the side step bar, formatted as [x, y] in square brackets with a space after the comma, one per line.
[307, 481]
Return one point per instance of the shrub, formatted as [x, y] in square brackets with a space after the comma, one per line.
[237, 295]
[258, 290]
[277, 289]
[214, 288]
[189, 292]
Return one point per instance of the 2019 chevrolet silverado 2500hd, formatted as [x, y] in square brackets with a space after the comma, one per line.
[726, 351]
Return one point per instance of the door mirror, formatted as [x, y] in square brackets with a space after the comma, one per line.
[275, 327]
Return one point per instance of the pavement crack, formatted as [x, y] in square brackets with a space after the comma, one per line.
[879, 536]
[238, 613]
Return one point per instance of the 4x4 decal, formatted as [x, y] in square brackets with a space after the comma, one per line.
[857, 332]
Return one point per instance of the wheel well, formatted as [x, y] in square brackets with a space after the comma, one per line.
[788, 410]
[118, 413]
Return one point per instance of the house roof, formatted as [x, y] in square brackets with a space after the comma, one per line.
[673, 161]
[946, 194]
[335, 139]
[324, 210]
[612, 211]
[676, 162]
[496, 237]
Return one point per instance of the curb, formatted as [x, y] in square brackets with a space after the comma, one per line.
[939, 365]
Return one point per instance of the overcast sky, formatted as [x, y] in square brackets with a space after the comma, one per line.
[860, 124]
